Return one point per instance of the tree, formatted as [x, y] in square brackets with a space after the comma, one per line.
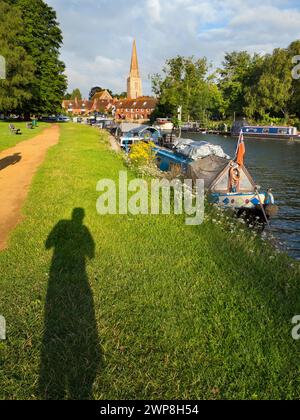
[94, 90]
[185, 83]
[76, 94]
[42, 38]
[97, 89]
[122, 95]
[294, 101]
[271, 92]
[235, 77]
[15, 90]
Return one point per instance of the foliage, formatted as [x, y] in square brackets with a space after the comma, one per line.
[260, 87]
[186, 83]
[142, 153]
[76, 94]
[94, 90]
[41, 38]
[16, 90]
[239, 72]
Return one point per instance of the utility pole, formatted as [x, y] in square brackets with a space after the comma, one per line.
[179, 115]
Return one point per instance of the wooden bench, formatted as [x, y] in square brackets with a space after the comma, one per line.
[14, 130]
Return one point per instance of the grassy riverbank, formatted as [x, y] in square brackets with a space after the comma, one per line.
[143, 307]
[8, 140]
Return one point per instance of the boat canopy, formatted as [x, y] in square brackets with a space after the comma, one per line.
[144, 132]
[207, 169]
[198, 150]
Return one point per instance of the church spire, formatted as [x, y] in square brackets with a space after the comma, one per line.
[134, 81]
[134, 68]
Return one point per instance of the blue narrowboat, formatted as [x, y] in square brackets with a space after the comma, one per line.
[257, 131]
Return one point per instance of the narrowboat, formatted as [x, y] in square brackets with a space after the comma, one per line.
[227, 181]
[257, 131]
[164, 125]
[139, 134]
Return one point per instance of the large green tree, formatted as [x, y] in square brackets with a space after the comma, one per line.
[42, 38]
[185, 83]
[15, 90]
[270, 95]
[294, 100]
[275, 93]
[237, 74]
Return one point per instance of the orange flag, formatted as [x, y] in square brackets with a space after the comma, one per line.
[241, 150]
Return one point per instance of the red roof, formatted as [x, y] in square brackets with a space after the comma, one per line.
[145, 102]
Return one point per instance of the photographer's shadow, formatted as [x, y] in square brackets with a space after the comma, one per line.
[71, 347]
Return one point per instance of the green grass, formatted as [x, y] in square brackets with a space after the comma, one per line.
[8, 140]
[141, 307]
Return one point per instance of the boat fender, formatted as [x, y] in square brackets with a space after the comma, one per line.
[234, 178]
[269, 198]
[271, 210]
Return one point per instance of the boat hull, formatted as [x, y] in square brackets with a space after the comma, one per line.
[237, 201]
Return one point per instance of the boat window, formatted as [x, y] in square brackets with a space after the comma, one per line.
[283, 131]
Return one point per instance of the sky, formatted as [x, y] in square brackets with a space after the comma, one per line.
[98, 34]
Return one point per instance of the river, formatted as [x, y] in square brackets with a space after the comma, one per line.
[275, 164]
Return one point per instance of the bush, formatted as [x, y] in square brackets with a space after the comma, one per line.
[142, 154]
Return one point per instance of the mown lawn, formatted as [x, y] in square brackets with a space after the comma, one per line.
[141, 307]
[8, 140]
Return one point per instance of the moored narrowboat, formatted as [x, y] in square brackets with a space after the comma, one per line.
[227, 181]
[268, 132]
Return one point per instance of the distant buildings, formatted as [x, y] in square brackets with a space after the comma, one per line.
[135, 107]
[101, 102]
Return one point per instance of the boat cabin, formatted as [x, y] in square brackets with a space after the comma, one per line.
[144, 133]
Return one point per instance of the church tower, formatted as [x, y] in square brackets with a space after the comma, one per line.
[134, 81]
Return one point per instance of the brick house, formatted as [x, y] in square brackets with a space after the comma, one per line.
[101, 102]
[135, 109]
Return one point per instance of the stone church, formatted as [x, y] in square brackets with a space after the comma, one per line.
[134, 81]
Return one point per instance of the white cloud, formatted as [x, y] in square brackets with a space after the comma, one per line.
[154, 9]
[98, 34]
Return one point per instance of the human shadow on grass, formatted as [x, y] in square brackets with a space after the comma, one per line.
[70, 353]
[10, 160]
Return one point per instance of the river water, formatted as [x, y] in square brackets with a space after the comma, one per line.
[275, 164]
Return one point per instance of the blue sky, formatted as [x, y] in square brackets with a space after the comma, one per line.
[98, 34]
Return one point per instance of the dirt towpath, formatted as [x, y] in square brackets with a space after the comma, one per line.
[17, 168]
